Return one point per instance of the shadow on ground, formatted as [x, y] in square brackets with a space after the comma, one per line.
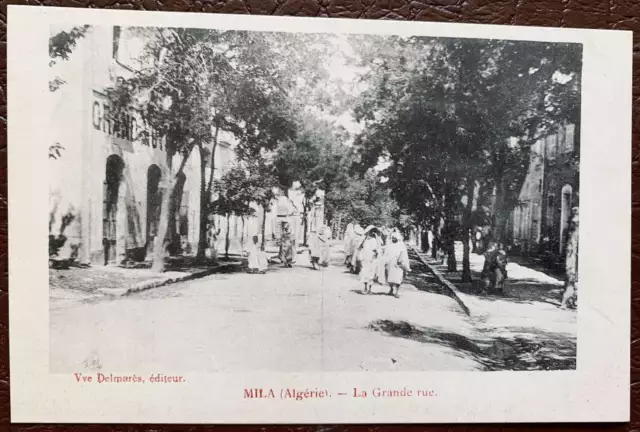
[516, 290]
[421, 277]
[516, 349]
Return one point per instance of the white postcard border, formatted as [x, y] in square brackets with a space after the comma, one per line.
[598, 390]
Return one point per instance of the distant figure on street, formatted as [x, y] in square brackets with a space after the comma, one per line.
[494, 270]
[381, 267]
[397, 259]
[368, 254]
[257, 258]
[358, 240]
[349, 234]
[320, 248]
[287, 246]
[325, 246]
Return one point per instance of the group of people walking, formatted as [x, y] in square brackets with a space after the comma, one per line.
[377, 255]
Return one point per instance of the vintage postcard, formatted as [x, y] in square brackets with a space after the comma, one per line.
[296, 220]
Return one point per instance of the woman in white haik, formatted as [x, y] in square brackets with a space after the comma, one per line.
[257, 259]
[348, 244]
[369, 252]
[358, 239]
[397, 263]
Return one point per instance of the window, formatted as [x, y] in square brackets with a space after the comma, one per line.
[552, 146]
[539, 185]
[551, 202]
[561, 139]
[569, 138]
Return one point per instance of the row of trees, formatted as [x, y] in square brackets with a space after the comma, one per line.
[193, 84]
[444, 113]
[438, 118]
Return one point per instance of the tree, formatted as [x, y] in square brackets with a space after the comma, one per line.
[61, 46]
[169, 90]
[442, 112]
[314, 160]
[234, 198]
[242, 187]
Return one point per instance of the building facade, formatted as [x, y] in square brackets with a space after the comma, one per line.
[539, 224]
[106, 182]
[107, 179]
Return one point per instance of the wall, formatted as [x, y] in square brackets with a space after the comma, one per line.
[78, 181]
[540, 223]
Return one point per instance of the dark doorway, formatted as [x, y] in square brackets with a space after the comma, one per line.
[154, 203]
[114, 169]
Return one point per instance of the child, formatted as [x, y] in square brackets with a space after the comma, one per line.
[257, 258]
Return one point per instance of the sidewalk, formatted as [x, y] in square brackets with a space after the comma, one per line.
[91, 283]
[533, 332]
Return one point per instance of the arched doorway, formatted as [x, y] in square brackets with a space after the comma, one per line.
[112, 186]
[565, 215]
[154, 203]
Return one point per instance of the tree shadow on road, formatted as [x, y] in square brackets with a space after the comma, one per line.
[361, 292]
[515, 349]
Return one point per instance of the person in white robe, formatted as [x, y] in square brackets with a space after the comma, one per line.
[257, 259]
[358, 240]
[348, 244]
[368, 255]
[397, 259]
[325, 246]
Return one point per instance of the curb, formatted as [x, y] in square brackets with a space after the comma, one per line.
[156, 283]
[462, 299]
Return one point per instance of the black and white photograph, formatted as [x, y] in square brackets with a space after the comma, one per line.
[316, 221]
[312, 202]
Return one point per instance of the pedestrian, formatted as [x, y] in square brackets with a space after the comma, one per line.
[325, 246]
[358, 239]
[380, 262]
[494, 270]
[287, 245]
[397, 259]
[314, 249]
[348, 244]
[369, 253]
[257, 259]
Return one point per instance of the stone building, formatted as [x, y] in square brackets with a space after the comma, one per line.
[539, 224]
[107, 178]
[106, 181]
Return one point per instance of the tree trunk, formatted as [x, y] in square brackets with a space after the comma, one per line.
[424, 241]
[264, 225]
[435, 242]
[242, 234]
[499, 210]
[305, 213]
[466, 228]
[449, 234]
[159, 251]
[227, 241]
[500, 213]
[204, 208]
[207, 194]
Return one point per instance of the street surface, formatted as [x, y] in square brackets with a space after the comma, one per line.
[287, 320]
